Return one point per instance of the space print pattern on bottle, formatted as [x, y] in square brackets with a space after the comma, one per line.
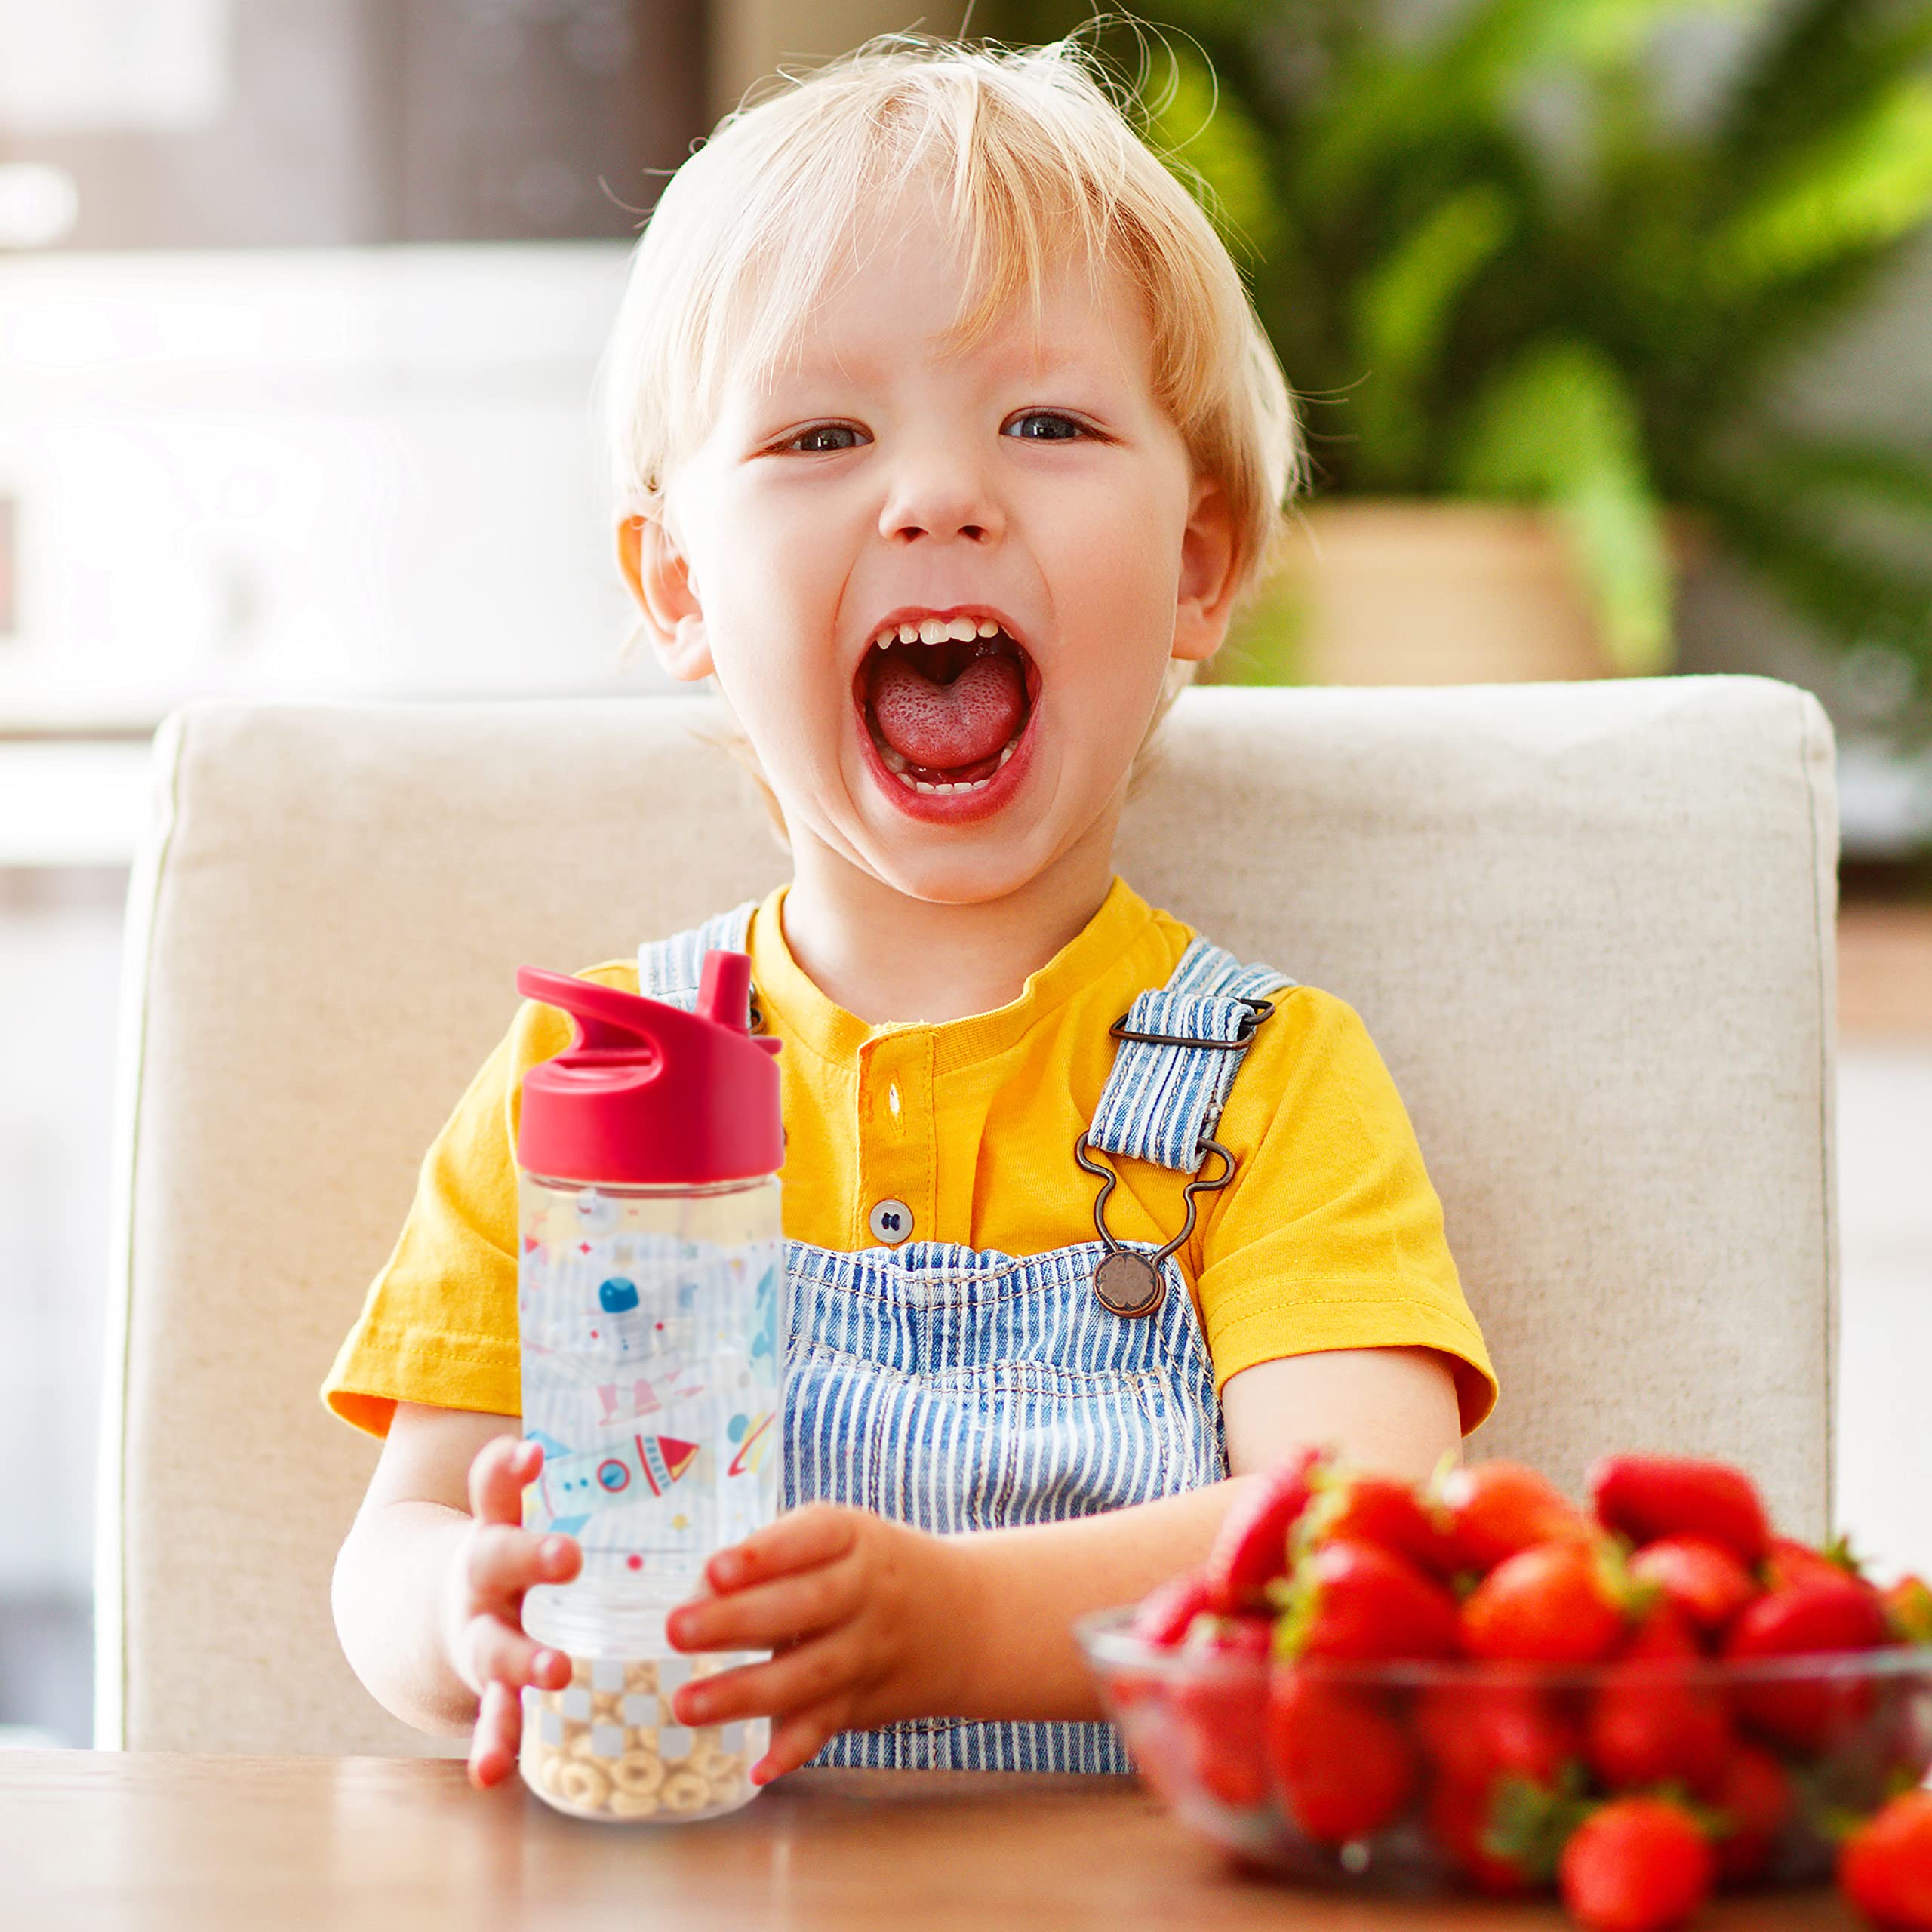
[651, 1381]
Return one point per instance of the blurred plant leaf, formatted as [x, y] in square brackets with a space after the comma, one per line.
[1394, 100]
[1856, 598]
[1877, 473]
[1502, 253]
[1207, 131]
[1825, 62]
[1560, 428]
[1861, 186]
[1611, 33]
[1402, 311]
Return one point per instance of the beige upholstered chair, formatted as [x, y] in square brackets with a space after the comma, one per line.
[1589, 925]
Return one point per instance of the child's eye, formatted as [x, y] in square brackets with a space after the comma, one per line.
[811, 442]
[1060, 429]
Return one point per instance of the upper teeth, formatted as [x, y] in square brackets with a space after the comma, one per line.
[936, 630]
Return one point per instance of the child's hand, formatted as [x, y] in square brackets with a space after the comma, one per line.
[495, 1561]
[866, 1619]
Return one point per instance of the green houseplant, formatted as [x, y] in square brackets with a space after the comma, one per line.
[1500, 264]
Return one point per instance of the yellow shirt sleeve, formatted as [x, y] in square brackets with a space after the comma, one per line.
[439, 1324]
[1329, 1235]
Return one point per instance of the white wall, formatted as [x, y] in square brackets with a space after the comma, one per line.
[306, 472]
[59, 962]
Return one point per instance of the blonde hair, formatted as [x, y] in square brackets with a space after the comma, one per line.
[1036, 152]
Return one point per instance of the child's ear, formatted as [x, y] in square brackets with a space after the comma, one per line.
[660, 579]
[1208, 576]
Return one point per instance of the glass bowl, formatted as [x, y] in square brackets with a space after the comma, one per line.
[1421, 1778]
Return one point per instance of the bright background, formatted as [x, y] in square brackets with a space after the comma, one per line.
[300, 303]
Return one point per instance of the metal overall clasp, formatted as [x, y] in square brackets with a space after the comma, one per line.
[1126, 1281]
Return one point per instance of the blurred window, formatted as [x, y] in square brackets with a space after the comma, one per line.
[213, 123]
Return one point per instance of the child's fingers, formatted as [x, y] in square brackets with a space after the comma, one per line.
[819, 1532]
[499, 1473]
[756, 1618]
[492, 1745]
[498, 1653]
[504, 1562]
[799, 1679]
[798, 1739]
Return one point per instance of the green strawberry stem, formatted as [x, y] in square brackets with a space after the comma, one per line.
[1530, 1824]
[1299, 1602]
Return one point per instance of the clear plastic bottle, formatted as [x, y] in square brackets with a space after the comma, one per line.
[651, 1316]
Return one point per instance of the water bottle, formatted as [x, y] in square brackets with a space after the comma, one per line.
[649, 1286]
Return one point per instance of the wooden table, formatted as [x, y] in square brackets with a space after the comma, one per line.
[105, 1842]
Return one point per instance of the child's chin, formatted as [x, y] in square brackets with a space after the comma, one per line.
[962, 876]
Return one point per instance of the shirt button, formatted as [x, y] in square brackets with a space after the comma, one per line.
[891, 1221]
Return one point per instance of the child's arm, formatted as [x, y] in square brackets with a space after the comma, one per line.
[873, 1622]
[430, 1578]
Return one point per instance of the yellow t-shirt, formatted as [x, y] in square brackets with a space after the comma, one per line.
[1329, 1236]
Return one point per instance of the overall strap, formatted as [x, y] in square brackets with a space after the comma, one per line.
[1161, 1102]
[670, 969]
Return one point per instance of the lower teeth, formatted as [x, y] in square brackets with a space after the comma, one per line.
[896, 763]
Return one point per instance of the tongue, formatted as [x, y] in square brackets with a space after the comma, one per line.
[943, 727]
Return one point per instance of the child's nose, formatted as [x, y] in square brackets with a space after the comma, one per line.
[941, 497]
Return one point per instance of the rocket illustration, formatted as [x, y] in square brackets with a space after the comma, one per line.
[643, 1468]
[665, 1459]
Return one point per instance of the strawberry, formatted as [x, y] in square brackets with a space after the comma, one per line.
[1645, 1497]
[1553, 1603]
[1506, 1760]
[1167, 1611]
[1222, 1723]
[1704, 1580]
[1885, 1866]
[1651, 1723]
[1755, 1800]
[1811, 1619]
[1247, 1635]
[1250, 1549]
[1478, 1732]
[1908, 1611]
[1354, 1601]
[1381, 1510]
[1163, 1618]
[1457, 1817]
[1638, 1865]
[1222, 1709]
[1495, 1509]
[1789, 1562]
[1344, 1766]
[1904, 1736]
[1660, 1631]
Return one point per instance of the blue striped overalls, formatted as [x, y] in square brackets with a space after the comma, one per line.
[954, 1388]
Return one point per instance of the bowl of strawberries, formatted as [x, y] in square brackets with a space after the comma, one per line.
[1476, 1683]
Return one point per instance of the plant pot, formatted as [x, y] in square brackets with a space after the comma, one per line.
[1419, 593]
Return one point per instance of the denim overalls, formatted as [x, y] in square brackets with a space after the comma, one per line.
[954, 1387]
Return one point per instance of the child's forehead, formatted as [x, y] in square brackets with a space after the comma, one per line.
[917, 296]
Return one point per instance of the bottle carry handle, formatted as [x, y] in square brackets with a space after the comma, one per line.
[610, 1020]
[606, 1019]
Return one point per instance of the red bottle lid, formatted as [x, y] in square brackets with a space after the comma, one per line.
[648, 1095]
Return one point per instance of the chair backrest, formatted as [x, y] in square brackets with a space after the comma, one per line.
[1588, 925]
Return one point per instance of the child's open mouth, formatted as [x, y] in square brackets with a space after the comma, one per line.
[947, 710]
